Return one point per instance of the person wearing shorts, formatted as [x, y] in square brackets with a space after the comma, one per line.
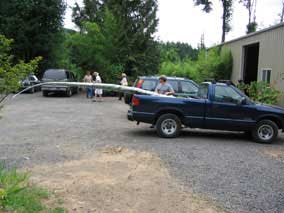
[98, 92]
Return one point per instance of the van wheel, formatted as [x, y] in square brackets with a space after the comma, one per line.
[69, 93]
[265, 131]
[44, 93]
[168, 126]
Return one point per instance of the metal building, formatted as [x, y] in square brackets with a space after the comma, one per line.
[260, 57]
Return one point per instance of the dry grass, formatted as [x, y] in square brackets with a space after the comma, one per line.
[119, 180]
[277, 153]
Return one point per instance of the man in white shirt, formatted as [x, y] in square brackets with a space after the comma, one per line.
[123, 82]
[98, 92]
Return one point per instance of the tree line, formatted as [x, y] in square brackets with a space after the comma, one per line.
[113, 36]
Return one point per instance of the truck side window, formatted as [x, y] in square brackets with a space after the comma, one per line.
[174, 84]
[226, 94]
[203, 91]
[188, 87]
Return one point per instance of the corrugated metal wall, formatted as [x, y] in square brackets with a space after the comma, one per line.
[271, 55]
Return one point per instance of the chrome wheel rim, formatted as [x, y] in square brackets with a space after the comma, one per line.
[169, 126]
[265, 132]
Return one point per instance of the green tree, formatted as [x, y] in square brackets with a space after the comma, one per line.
[34, 26]
[251, 8]
[213, 63]
[97, 47]
[91, 12]
[10, 73]
[227, 6]
[132, 32]
[182, 51]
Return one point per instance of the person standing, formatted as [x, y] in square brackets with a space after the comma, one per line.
[164, 88]
[89, 79]
[98, 92]
[123, 82]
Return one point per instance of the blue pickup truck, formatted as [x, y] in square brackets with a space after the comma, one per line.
[219, 106]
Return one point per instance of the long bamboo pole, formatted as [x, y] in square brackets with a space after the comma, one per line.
[109, 87]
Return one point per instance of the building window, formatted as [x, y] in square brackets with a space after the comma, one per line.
[266, 75]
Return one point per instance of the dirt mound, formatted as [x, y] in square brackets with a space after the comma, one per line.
[119, 180]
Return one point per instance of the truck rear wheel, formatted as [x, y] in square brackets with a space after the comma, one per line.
[265, 131]
[168, 126]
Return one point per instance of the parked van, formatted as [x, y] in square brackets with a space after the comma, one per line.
[58, 75]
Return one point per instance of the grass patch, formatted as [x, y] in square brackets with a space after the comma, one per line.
[18, 195]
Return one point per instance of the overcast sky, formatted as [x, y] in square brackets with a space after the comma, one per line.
[180, 20]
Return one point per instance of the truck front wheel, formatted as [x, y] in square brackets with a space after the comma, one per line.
[168, 126]
[265, 131]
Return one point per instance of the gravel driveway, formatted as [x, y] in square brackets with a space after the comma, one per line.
[240, 175]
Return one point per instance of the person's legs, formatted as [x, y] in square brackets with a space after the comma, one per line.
[100, 94]
[92, 92]
[120, 96]
[89, 92]
[95, 97]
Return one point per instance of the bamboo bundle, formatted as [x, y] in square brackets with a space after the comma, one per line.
[109, 87]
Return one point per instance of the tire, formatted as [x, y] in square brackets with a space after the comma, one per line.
[69, 93]
[32, 90]
[168, 126]
[44, 93]
[265, 131]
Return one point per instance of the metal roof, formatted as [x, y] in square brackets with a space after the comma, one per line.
[253, 34]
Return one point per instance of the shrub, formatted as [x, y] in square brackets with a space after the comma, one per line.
[261, 92]
[17, 195]
[11, 73]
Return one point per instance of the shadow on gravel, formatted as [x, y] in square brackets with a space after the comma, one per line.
[207, 135]
[60, 95]
[150, 133]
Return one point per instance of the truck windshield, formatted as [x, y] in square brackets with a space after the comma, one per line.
[242, 94]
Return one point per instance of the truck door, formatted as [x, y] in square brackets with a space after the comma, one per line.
[195, 108]
[226, 112]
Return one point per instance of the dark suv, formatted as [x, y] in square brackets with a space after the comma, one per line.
[57, 75]
[183, 87]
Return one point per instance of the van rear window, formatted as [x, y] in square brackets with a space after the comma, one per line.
[55, 74]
